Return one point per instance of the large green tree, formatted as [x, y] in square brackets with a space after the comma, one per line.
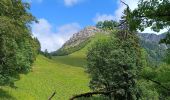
[113, 65]
[18, 47]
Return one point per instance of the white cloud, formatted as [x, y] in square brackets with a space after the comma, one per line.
[53, 40]
[118, 12]
[103, 17]
[71, 2]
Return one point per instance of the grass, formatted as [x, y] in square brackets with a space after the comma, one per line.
[63, 74]
[78, 58]
[48, 76]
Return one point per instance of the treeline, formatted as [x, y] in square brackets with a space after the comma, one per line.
[18, 48]
[46, 54]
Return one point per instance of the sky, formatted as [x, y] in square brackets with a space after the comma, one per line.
[60, 19]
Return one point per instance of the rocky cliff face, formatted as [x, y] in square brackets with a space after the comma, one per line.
[82, 36]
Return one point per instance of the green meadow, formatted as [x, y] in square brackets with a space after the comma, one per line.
[64, 74]
[46, 77]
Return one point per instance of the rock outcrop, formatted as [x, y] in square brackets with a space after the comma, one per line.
[82, 36]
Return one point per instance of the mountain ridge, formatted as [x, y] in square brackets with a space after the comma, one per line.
[148, 41]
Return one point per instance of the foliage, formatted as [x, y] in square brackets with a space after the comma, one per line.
[46, 54]
[158, 78]
[113, 65]
[151, 13]
[154, 14]
[166, 40]
[107, 25]
[167, 58]
[155, 52]
[147, 90]
[18, 48]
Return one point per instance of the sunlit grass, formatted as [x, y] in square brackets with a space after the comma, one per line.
[63, 74]
[48, 76]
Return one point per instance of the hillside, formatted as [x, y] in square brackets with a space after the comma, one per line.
[63, 74]
[156, 52]
[66, 74]
[148, 41]
[71, 59]
[78, 41]
[46, 77]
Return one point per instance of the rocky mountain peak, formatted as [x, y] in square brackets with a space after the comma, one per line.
[81, 36]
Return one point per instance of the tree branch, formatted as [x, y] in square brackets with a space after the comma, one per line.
[124, 3]
[90, 94]
[158, 83]
[52, 95]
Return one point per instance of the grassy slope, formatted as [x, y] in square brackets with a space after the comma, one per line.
[78, 59]
[63, 74]
[48, 76]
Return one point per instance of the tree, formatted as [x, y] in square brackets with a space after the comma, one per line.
[154, 14]
[166, 41]
[107, 25]
[18, 48]
[151, 13]
[113, 65]
[46, 54]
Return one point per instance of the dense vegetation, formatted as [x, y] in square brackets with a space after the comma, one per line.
[150, 13]
[18, 48]
[107, 25]
[155, 52]
[105, 76]
[118, 67]
[113, 65]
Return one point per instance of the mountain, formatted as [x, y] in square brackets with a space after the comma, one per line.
[151, 37]
[78, 41]
[81, 36]
[150, 42]
[155, 51]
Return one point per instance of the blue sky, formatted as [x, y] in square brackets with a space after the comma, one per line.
[59, 12]
[60, 19]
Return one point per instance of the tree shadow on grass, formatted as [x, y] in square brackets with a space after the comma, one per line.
[71, 61]
[94, 98]
[5, 95]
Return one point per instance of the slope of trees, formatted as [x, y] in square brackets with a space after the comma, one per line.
[18, 47]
